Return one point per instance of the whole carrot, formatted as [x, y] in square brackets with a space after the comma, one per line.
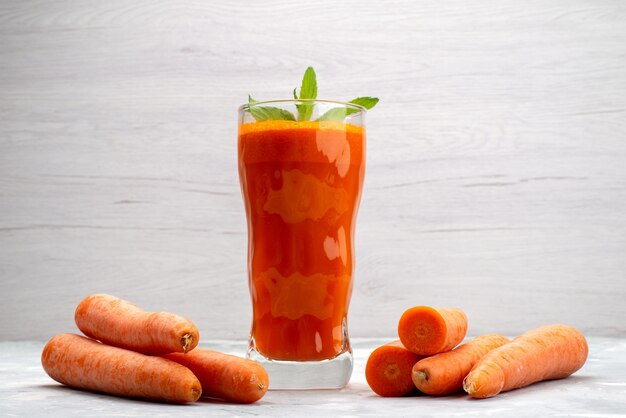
[545, 353]
[425, 330]
[388, 370]
[224, 376]
[120, 323]
[87, 364]
[443, 373]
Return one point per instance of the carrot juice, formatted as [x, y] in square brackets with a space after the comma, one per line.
[301, 184]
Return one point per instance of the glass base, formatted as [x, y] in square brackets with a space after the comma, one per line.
[324, 374]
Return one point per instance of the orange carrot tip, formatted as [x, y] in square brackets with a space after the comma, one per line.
[388, 370]
[426, 331]
[121, 324]
[545, 353]
[443, 374]
[83, 363]
[224, 376]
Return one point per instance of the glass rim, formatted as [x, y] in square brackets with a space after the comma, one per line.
[358, 107]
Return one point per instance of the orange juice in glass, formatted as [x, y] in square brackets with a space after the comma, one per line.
[301, 183]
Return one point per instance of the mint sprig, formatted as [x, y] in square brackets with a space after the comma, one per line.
[308, 91]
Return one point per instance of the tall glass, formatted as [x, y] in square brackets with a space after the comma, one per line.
[301, 183]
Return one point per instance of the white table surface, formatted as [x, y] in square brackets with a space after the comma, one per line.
[597, 390]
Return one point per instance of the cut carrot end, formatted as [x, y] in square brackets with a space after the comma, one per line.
[186, 341]
[422, 330]
[420, 376]
[196, 393]
[388, 370]
[484, 382]
[392, 371]
[468, 386]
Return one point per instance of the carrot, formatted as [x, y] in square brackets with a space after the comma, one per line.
[544, 353]
[224, 376]
[87, 364]
[120, 323]
[442, 374]
[426, 331]
[388, 370]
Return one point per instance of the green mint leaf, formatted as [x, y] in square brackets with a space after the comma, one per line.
[338, 114]
[308, 90]
[366, 102]
[295, 96]
[261, 113]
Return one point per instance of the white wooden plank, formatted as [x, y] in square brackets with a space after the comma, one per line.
[496, 176]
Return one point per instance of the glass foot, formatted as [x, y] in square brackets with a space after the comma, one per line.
[325, 374]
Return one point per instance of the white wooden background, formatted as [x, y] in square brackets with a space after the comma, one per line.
[496, 176]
